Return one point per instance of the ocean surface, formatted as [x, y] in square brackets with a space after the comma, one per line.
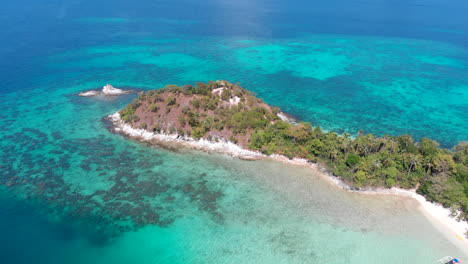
[73, 192]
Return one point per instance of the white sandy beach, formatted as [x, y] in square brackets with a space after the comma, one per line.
[438, 215]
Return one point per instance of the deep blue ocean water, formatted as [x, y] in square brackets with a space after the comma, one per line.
[72, 192]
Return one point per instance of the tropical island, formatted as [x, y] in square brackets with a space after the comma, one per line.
[219, 111]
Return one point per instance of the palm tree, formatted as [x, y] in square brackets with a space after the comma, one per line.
[346, 142]
[414, 162]
[364, 165]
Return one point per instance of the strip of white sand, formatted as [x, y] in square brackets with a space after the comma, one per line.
[435, 212]
[221, 146]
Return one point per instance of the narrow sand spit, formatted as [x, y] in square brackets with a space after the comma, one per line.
[437, 214]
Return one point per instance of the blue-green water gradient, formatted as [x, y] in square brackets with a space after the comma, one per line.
[73, 192]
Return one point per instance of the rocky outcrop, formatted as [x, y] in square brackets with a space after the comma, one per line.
[107, 90]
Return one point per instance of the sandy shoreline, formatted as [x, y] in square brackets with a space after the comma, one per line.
[437, 214]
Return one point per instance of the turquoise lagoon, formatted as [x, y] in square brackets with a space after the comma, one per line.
[73, 192]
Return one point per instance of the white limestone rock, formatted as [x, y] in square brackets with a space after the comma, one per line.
[106, 90]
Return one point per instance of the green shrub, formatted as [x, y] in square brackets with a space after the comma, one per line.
[197, 133]
[390, 182]
[352, 160]
[182, 120]
[196, 103]
[153, 107]
[193, 120]
[170, 100]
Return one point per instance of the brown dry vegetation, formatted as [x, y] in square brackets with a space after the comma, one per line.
[216, 110]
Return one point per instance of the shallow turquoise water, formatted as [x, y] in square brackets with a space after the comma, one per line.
[80, 194]
[98, 197]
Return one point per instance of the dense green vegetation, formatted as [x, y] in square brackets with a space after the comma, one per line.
[439, 174]
[364, 160]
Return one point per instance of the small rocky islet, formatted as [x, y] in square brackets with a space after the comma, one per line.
[223, 111]
[107, 90]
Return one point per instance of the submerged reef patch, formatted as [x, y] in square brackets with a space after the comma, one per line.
[38, 166]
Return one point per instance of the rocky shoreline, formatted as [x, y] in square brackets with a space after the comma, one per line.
[453, 229]
[221, 147]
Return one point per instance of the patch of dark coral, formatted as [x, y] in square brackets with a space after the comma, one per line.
[28, 164]
[202, 195]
